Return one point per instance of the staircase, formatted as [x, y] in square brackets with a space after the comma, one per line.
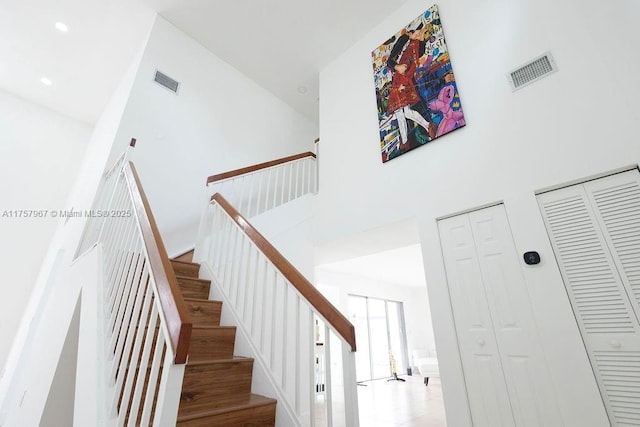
[182, 370]
[216, 390]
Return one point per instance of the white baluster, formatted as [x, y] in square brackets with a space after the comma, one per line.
[216, 236]
[285, 328]
[265, 287]
[296, 373]
[114, 255]
[146, 350]
[125, 333]
[254, 304]
[234, 261]
[352, 417]
[328, 386]
[241, 262]
[226, 243]
[275, 187]
[132, 348]
[283, 184]
[274, 309]
[313, 375]
[153, 377]
[242, 286]
[124, 303]
[259, 196]
[289, 195]
[251, 185]
[305, 174]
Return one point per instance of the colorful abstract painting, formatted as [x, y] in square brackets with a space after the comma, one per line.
[416, 91]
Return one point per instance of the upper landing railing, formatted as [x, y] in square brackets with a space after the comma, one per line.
[258, 188]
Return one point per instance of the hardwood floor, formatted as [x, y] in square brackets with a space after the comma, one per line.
[401, 404]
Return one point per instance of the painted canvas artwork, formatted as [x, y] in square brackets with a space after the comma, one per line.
[416, 90]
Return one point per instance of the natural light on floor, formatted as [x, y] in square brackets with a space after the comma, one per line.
[385, 403]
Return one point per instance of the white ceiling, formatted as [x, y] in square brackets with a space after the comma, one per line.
[84, 64]
[400, 266]
[280, 44]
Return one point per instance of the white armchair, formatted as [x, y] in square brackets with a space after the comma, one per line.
[426, 362]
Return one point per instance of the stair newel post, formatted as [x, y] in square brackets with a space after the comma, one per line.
[313, 372]
[328, 387]
[169, 394]
[352, 417]
[200, 252]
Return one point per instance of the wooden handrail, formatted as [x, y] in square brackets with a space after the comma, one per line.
[169, 294]
[331, 314]
[249, 169]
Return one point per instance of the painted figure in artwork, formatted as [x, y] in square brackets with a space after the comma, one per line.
[451, 119]
[404, 60]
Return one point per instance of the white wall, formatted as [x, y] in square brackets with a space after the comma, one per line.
[288, 229]
[59, 408]
[574, 124]
[40, 155]
[220, 120]
[32, 361]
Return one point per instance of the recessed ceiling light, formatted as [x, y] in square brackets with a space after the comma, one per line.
[45, 81]
[302, 89]
[60, 26]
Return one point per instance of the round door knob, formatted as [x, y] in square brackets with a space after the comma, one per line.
[481, 342]
[615, 343]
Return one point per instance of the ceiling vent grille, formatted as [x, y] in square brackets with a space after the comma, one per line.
[166, 81]
[532, 71]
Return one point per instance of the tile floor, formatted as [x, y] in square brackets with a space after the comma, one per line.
[401, 404]
[385, 403]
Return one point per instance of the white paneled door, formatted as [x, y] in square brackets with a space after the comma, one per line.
[595, 232]
[507, 379]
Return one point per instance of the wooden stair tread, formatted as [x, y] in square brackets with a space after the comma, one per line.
[177, 261]
[227, 360]
[204, 301]
[192, 279]
[213, 327]
[252, 401]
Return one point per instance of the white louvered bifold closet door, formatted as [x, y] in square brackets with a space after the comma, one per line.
[595, 232]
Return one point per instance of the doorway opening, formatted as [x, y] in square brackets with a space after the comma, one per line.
[376, 278]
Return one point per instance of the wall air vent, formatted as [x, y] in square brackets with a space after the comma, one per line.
[532, 71]
[166, 81]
